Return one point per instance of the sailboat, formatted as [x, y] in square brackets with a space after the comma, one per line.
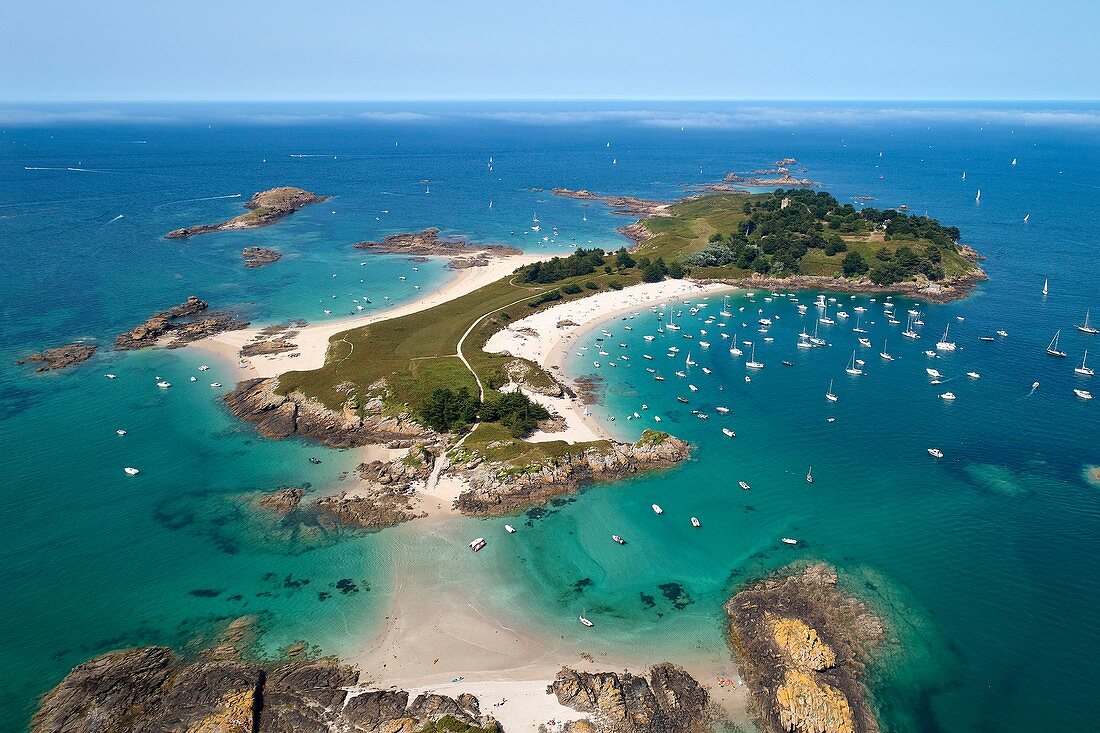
[885, 353]
[943, 344]
[1026, 217]
[810, 475]
[825, 317]
[909, 333]
[1045, 283]
[725, 312]
[815, 340]
[829, 395]
[1086, 328]
[584, 619]
[1084, 370]
[752, 363]
[1052, 347]
[1013, 161]
[978, 198]
[852, 368]
[859, 328]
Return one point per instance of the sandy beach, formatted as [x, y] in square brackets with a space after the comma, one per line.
[312, 340]
[547, 336]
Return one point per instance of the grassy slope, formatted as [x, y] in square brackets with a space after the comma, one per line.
[692, 222]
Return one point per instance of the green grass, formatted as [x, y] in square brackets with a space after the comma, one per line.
[690, 224]
[494, 443]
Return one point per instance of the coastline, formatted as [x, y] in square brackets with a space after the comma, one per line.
[549, 345]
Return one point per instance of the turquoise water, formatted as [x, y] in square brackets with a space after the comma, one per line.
[984, 562]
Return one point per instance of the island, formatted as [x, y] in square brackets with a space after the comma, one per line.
[259, 256]
[265, 207]
[178, 326]
[428, 243]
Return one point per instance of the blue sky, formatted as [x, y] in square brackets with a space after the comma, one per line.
[112, 50]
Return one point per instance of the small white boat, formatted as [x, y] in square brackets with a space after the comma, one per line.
[933, 373]
[477, 544]
[163, 384]
[1046, 282]
[865, 342]
[584, 620]
[752, 363]
[203, 367]
[120, 432]
[1086, 327]
[744, 485]
[1002, 333]
[657, 509]
[829, 395]
[111, 376]
[1052, 347]
[935, 452]
[729, 433]
[1083, 394]
[1084, 370]
[810, 475]
[509, 529]
[852, 368]
[194, 379]
[943, 344]
[949, 396]
[618, 539]
[722, 410]
[974, 375]
[131, 471]
[215, 385]
[693, 388]
[789, 541]
[695, 522]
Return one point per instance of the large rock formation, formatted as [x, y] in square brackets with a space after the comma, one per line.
[151, 690]
[803, 646]
[259, 256]
[670, 701]
[279, 416]
[181, 323]
[503, 488]
[61, 356]
[266, 207]
[428, 242]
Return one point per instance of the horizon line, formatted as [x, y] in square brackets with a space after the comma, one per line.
[437, 100]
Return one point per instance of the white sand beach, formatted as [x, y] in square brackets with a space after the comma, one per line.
[546, 337]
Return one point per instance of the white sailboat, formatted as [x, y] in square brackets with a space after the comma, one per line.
[909, 333]
[752, 363]
[1052, 347]
[1084, 370]
[852, 368]
[584, 619]
[1086, 327]
[885, 353]
[978, 198]
[943, 344]
[829, 395]
[1046, 282]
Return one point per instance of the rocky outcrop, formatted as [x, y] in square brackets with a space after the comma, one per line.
[623, 205]
[803, 647]
[943, 291]
[428, 242]
[60, 357]
[503, 488]
[180, 323]
[280, 416]
[669, 701]
[259, 256]
[270, 346]
[284, 501]
[151, 690]
[370, 508]
[414, 467]
[265, 207]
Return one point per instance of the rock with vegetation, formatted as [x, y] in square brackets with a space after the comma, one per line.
[669, 701]
[504, 486]
[60, 357]
[265, 207]
[259, 256]
[428, 242]
[803, 647]
[152, 690]
[182, 324]
[279, 416]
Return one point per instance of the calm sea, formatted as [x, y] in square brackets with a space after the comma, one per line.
[984, 563]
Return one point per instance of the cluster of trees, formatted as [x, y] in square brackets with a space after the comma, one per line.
[904, 263]
[452, 411]
[581, 262]
[774, 238]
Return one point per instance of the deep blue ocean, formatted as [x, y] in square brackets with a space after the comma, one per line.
[985, 563]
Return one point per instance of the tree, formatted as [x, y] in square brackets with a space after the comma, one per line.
[516, 412]
[623, 260]
[653, 273]
[854, 264]
[676, 270]
[448, 411]
[835, 245]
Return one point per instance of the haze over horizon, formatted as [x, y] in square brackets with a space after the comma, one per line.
[479, 50]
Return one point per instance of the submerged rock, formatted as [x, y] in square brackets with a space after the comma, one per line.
[803, 647]
[61, 356]
[152, 690]
[283, 502]
[670, 701]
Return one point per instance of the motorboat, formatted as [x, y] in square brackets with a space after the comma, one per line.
[477, 544]
[695, 522]
[729, 433]
[789, 541]
[1083, 394]
[744, 485]
[618, 539]
[935, 452]
[657, 509]
[948, 396]
[131, 471]
[509, 529]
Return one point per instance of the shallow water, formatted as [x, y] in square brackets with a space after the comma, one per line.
[983, 562]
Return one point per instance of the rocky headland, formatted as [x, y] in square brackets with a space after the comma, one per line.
[803, 646]
[182, 324]
[428, 243]
[60, 357]
[265, 207]
[669, 701]
[497, 488]
[777, 177]
[279, 416]
[955, 287]
[259, 256]
[151, 690]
